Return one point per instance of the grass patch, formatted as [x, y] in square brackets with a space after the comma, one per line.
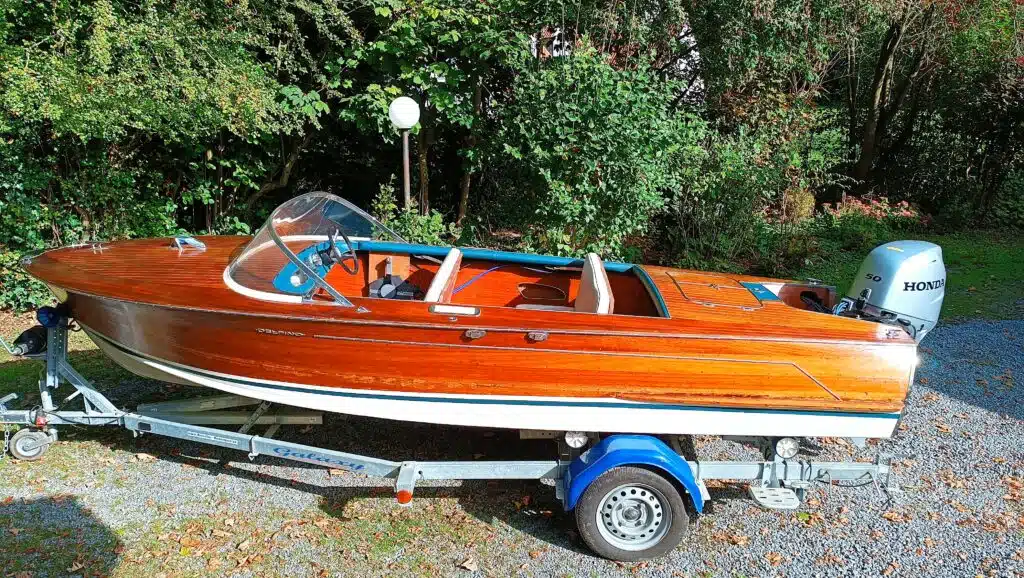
[984, 271]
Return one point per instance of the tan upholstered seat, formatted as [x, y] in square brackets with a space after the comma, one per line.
[441, 287]
[595, 295]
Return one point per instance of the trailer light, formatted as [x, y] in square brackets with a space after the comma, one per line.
[48, 317]
[787, 448]
[404, 496]
[576, 439]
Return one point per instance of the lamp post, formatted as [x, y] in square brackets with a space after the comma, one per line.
[404, 114]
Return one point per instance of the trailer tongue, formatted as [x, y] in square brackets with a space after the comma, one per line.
[632, 495]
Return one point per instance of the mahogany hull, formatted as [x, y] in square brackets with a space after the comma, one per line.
[174, 311]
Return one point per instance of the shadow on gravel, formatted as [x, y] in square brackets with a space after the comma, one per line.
[54, 536]
[977, 362]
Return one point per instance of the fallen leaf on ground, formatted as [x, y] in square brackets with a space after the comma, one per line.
[734, 539]
[469, 564]
[895, 517]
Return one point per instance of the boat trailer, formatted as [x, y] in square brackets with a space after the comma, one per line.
[632, 495]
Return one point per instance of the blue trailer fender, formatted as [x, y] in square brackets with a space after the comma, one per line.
[629, 450]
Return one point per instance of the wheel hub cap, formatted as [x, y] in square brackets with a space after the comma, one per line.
[634, 517]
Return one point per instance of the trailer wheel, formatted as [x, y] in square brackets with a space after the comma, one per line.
[29, 445]
[631, 514]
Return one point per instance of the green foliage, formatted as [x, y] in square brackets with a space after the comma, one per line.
[436, 50]
[593, 146]
[429, 229]
[704, 134]
[729, 209]
[1008, 211]
[18, 291]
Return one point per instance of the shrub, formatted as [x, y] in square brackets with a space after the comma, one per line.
[18, 290]
[591, 148]
[862, 224]
[1008, 210]
[408, 222]
[744, 193]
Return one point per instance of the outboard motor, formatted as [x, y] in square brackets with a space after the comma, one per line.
[900, 283]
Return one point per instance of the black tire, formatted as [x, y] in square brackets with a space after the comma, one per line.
[24, 436]
[666, 494]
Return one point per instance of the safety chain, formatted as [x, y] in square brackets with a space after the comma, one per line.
[6, 427]
[7, 441]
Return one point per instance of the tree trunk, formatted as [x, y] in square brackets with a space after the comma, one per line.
[852, 82]
[283, 176]
[423, 150]
[879, 89]
[471, 139]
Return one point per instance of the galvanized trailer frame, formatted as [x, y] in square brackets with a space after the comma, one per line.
[775, 482]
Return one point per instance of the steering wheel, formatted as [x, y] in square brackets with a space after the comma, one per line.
[342, 258]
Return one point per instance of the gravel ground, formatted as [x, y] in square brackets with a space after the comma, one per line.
[102, 503]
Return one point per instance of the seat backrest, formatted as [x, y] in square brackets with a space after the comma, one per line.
[595, 294]
[441, 287]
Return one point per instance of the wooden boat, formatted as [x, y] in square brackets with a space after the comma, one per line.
[326, 308]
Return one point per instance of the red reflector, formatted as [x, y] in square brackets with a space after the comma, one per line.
[40, 420]
[404, 496]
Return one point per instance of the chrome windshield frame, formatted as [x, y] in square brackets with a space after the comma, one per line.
[318, 282]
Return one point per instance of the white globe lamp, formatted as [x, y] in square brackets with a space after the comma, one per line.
[404, 112]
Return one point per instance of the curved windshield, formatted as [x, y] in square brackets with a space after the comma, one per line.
[302, 241]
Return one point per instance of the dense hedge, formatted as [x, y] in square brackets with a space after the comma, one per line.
[707, 134]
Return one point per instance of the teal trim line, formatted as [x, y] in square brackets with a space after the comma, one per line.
[653, 290]
[760, 291]
[485, 255]
[484, 400]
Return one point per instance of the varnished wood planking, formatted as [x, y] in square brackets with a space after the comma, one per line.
[367, 358]
[776, 356]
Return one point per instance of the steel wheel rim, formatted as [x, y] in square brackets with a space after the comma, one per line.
[19, 446]
[634, 517]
